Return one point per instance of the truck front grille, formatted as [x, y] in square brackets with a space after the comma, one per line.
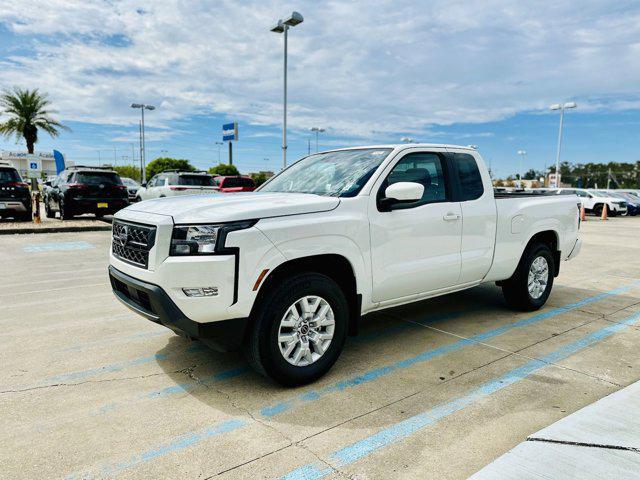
[131, 242]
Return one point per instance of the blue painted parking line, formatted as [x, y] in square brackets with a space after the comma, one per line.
[173, 445]
[56, 247]
[395, 433]
[110, 368]
[427, 355]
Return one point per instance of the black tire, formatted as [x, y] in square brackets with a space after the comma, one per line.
[47, 210]
[138, 199]
[262, 348]
[612, 213]
[65, 213]
[597, 210]
[516, 291]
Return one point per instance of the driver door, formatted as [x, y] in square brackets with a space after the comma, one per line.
[415, 247]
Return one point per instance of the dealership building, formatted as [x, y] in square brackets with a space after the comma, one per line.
[19, 161]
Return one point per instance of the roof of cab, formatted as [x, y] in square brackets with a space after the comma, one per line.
[404, 146]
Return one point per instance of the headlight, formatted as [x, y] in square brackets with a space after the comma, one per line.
[203, 239]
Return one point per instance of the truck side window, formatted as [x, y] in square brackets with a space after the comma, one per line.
[423, 168]
[471, 186]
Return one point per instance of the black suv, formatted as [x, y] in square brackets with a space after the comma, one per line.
[15, 198]
[79, 190]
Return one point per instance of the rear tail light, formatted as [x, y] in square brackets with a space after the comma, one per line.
[121, 187]
[18, 184]
[77, 186]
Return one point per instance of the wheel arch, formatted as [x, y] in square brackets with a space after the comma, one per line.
[335, 266]
[552, 240]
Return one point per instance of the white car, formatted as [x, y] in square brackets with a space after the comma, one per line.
[594, 201]
[287, 271]
[174, 183]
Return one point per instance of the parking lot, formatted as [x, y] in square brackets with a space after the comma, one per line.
[434, 390]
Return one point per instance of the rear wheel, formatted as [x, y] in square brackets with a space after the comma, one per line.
[65, 213]
[299, 333]
[47, 210]
[529, 287]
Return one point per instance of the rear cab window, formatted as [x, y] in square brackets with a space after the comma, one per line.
[469, 178]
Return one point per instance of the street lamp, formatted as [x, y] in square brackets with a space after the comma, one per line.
[283, 27]
[523, 154]
[142, 108]
[562, 107]
[407, 140]
[219, 144]
[317, 130]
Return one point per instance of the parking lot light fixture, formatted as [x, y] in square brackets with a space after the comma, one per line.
[562, 107]
[142, 108]
[522, 154]
[317, 130]
[283, 27]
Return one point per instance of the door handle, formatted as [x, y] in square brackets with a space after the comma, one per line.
[449, 217]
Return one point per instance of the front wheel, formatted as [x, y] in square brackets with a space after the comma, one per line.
[529, 287]
[65, 213]
[300, 331]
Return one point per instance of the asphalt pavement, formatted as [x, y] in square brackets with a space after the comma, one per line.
[438, 389]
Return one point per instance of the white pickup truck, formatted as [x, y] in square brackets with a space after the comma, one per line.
[287, 271]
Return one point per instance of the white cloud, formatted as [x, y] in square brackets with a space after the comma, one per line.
[360, 68]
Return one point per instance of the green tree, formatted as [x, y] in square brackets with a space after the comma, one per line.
[165, 163]
[224, 170]
[130, 171]
[259, 178]
[28, 111]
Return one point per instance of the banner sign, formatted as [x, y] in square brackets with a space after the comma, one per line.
[230, 132]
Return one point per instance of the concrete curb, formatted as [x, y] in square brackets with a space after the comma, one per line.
[60, 229]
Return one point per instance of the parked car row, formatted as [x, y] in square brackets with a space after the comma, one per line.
[594, 201]
[101, 191]
[171, 183]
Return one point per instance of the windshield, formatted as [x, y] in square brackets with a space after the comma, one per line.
[96, 178]
[340, 174]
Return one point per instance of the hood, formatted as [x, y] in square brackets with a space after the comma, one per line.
[230, 207]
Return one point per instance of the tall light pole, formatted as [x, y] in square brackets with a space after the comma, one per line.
[219, 144]
[522, 154]
[562, 107]
[317, 131]
[407, 140]
[283, 27]
[142, 108]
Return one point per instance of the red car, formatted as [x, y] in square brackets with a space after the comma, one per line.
[237, 183]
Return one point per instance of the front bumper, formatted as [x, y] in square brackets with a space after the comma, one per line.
[153, 303]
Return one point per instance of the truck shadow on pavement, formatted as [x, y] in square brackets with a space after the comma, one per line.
[397, 353]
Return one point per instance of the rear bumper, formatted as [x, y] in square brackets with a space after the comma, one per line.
[153, 303]
[90, 205]
[12, 206]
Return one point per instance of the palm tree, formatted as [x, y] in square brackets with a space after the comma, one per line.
[28, 112]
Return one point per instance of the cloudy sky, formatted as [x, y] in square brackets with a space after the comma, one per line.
[467, 72]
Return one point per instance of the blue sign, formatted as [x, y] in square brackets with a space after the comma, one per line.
[33, 165]
[230, 132]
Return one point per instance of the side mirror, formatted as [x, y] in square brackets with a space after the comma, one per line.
[401, 192]
[143, 184]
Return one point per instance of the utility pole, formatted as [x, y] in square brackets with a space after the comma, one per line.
[309, 146]
[230, 152]
[115, 157]
[142, 175]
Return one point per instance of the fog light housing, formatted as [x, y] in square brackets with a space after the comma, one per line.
[201, 291]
